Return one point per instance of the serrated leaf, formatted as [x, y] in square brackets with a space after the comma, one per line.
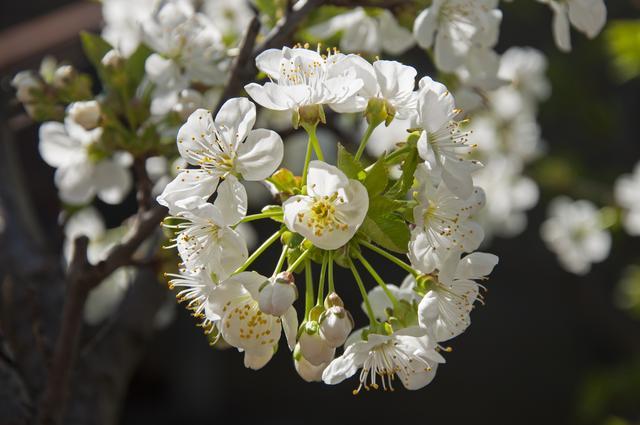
[388, 231]
[381, 205]
[95, 47]
[404, 183]
[347, 163]
[377, 178]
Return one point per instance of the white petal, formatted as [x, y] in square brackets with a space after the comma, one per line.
[186, 186]
[235, 119]
[257, 359]
[75, 184]
[269, 62]
[424, 28]
[260, 155]
[231, 200]
[56, 147]
[113, 182]
[589, 16]
[324, 179]
[194, 135]
[476, 265]
[395, 79]
[395, 38]
[290, 326]
[561, 31]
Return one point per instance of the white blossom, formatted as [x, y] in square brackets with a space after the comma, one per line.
[278, 294]
[455, 27]
[332, 210]
[573, 231]
[442, 143]
[587, 16]
[302, 77]
[234, 305]
[410, 354]
[79, 174]
[364, 33]
[627, 194]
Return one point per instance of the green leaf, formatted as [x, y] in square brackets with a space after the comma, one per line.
[623, 42]
[404, 183]
[377, 178]
[134, 67]
[388, 231]
[381, 205]
[350, 166]
[95, 47]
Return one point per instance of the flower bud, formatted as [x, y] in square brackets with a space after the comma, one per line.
[278, 294]
[112, 59]
[63, 76]
[25, 82]
[379, 110]
[87, 114]
[307, 371]
[313, 346]
[308, 116]
[336, 324]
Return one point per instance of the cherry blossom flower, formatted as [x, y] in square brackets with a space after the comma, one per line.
[587, 16]
[332, 210]
[627, 193]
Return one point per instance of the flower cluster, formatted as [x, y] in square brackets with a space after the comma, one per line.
[330, 215]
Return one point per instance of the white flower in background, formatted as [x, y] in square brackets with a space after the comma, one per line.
[364, 33]
[188, 48]
[234, 305]
[223, 147]
[80, 175]
[443, 223]
[122, 19]
[385, 139]
[332, 210]
[480, 70]
[303, 77]
[25, 82]
[627, 193]
[231, 18]
[410, 354]
[526, 68]
[207, 240]
[442, 143]
[574, 232]
[587, 16]
[380, 302]
[509, 196]
[388, 81]
[87, 114]
[455, 27]
[445, 309]
[106, 297]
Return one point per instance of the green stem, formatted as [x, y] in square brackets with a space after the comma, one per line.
[308, 293]
[323, 274]
[363, 292]
[283, 256]
[253, 217]
[367, 134]
[391, 258]
[313, 140]
[307, 159]
[262, 248]
[331, 283]
[378, 279]
[397, 153]
[299, 260]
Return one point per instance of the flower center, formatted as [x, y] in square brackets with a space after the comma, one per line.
[322, 215]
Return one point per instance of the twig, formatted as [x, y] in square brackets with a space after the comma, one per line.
[246, 48]
[83, 277]
[144, 184]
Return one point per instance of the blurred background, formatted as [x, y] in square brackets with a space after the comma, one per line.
[548, 347]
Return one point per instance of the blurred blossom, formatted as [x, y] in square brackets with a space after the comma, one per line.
[587, 16]
[627, 194]
[106, 297]
[509, 196]
[230, 17]
[574, 232]
[122, 19]
[365, 33]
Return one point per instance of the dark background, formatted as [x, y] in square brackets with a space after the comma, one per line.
[548, 347]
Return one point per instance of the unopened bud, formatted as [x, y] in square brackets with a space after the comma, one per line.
[25, 82]
[313, 346]
[278, 294]
[308, 116]
[306, 370]
[112, 59]
[332, 300]
[336, 324]
[379, 110]
[63, 76]
[87, 114]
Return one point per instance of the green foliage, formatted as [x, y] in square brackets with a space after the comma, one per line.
[377, 178]
[95, 47]
[350, 166]
[623, 43]
[387, 230]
